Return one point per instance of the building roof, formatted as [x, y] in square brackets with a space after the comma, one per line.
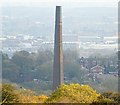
[97, 67]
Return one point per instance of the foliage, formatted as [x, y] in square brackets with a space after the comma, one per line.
[25, 67]
[73, 70]
[44, 71]
[102, 100]
[8, 94]
[112, 95]
[43, 98]
[28, 99]
[70, 55]
[73, 93]
[23, 60]
[29, 96]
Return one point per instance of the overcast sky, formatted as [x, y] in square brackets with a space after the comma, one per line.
[61, 2]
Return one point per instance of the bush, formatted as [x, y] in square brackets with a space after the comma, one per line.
[73, 93]
[8, 94]
[28, 96]
[112, 95]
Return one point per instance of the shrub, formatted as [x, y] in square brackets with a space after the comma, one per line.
[73, 93]
[8, 94]
[112, 95]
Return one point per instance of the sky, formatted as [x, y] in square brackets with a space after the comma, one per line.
[61, 2]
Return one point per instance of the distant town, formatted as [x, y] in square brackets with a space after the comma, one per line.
[11, 44]
[90, 46]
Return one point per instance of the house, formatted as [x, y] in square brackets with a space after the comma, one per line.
[97, 70]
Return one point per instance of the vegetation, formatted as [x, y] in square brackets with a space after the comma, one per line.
[27, 96]
[8, 94]
[112, 95]
[11, 94]
[73, 93]
[34, 70]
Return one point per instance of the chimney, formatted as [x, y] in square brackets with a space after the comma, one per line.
[58, 51]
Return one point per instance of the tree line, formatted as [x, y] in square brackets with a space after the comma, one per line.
[35, 69]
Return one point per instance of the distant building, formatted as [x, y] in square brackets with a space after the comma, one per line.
[114, 73]
[85, 39]
[97, 70]
[70, 38]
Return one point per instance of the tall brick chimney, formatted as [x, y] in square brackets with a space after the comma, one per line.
[58, 51]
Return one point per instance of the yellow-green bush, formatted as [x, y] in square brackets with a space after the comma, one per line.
[73, 93]
[33, 99]
[29, 96]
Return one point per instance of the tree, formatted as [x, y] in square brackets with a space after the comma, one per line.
[44, 71]
[73, 70]
[43, 56]
[70, 55]
[10, 70]
[23, 59]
